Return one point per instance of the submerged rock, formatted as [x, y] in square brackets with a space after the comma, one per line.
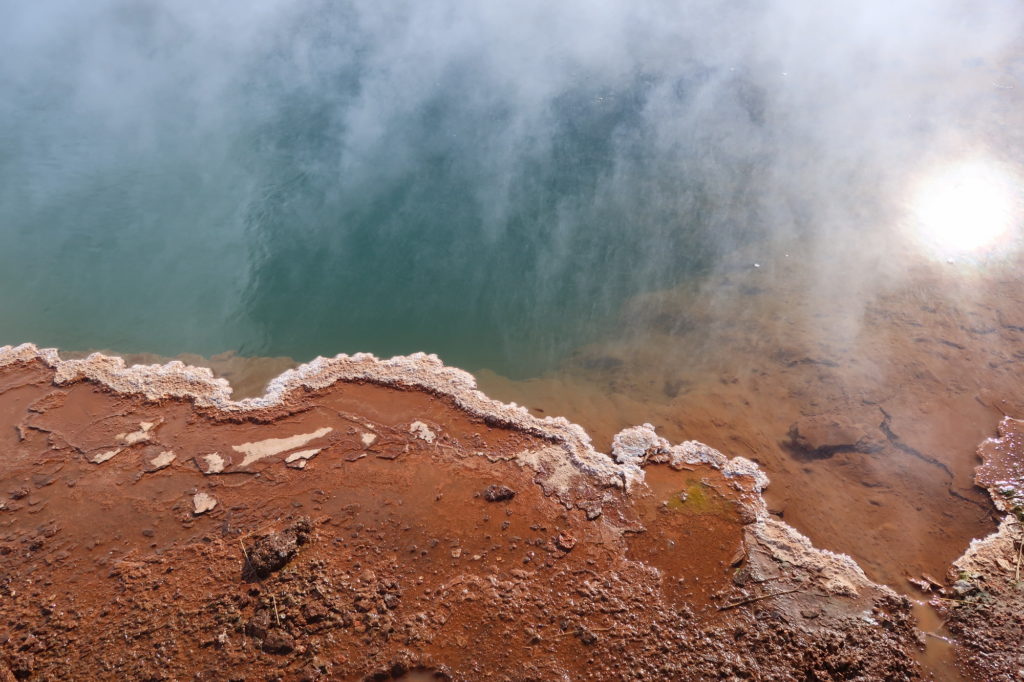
[825, 435]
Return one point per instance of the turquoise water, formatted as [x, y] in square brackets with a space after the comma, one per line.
[486, 183]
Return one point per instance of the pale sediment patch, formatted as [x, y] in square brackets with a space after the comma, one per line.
[422, 431]
[202, 503]
[555, 474]
[298, 460]
[104, 456]
[368, 439]
[161, 461]
[262, 449]
[212, 463]
[142, 435]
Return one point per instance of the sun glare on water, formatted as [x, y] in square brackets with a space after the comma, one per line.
[969, 207]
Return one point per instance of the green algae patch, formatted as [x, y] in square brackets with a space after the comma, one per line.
[699, 497]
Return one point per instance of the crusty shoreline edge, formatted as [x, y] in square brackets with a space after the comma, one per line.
[632, 447]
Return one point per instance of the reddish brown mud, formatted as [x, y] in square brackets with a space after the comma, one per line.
[346, 527]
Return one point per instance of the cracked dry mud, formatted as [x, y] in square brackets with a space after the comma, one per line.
[399, 554]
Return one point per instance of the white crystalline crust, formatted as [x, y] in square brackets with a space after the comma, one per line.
[631, 448]
[993, 554]
[838, 574]
[419, 370]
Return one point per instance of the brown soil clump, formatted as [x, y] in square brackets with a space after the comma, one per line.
[381, 557]
[269, 552]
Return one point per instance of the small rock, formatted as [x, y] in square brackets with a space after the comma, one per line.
[270, 552]
[825, 435]
[278, 642]
[498, 493]
[585, 635]
[565, 542]
[310, 673]
[964, 587]
[313, 612]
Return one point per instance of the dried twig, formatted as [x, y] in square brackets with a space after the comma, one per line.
[751, 600]
[248, 562]
[1020, 549]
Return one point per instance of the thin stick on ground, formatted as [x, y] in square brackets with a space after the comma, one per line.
[1020, 549]
[751, 600]
[248, 563]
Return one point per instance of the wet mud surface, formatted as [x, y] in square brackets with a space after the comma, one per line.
[371, 529]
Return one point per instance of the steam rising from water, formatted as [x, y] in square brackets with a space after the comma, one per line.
[481, 180]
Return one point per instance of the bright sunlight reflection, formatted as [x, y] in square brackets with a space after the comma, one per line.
[969, 207]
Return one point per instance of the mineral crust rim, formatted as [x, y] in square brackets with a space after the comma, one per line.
[632, 448]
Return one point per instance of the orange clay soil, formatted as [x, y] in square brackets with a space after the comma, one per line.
[381, 519]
